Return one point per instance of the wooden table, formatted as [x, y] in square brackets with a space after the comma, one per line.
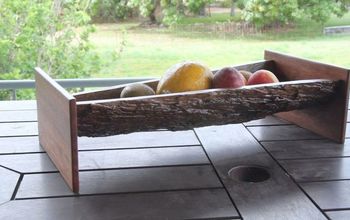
[175, 175]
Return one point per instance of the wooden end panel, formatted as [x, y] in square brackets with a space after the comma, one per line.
[328, 120]
[57, 123]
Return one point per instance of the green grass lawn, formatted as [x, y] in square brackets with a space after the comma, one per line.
[151, 52]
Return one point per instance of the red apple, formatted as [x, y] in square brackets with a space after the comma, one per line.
[262, 77]
[228, 77]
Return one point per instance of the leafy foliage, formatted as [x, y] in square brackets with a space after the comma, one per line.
[51, 34]
[195, 6]
[270, 12]
[109, 10]
[321, 11]
[171, 10]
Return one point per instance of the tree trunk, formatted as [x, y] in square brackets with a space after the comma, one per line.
[153, 15]
[233, 8]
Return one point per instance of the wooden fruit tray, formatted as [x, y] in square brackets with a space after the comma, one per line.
[312, 95]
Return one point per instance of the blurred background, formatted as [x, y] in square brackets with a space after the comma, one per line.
[143, 38]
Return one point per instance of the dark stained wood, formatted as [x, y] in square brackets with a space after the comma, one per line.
[18, 116]
[142, 158]
[196, 204]
[339, 215]
[18, 129]
[187, 110]
[17, 105]
[307, 149]
[8, 181]
[327, 120]
[140, 139]
[276, 198]
[318, 169]
[58, 126]
[329, 195]
[118, 181]
[14, 145]
[282, 132]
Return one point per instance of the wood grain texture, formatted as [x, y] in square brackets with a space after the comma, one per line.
[58, 126]
[307, 149]
[140, 140]
[17, 105]
[121, 181]
[327, 120]
[196, 204]
[188, 110]
[329, 195]
[18, 116]
[18, 129]
[282, 133]
[339, 215]
[327, 169]
[8, 181]
[170, 156]
[14, 145]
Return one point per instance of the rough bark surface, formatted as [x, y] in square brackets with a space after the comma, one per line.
[197, 109]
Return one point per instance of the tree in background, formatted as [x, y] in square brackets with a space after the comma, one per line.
[51, 34]
[109, 10]
[281, 12]
[168, 11]
[321, 11]
[270, 12]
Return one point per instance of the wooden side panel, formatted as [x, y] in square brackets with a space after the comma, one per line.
[57, 122]
[328, 120]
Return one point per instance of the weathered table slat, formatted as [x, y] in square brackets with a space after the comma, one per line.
[118, 181]
[283, 132]
[115, 162]
[318, 169]
[142, 158]
[18, 116]
[18, 129]
[18, 105]
[140, 139]
[269, 120]
[307, 149]
[197, 204]
[28, 163]
[329, 195]
[339, 215]
[347, 133]
[13, 145]
[40, 162]
[232, 145]
[8, 181]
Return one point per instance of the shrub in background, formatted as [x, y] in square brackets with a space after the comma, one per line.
[51, 34]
